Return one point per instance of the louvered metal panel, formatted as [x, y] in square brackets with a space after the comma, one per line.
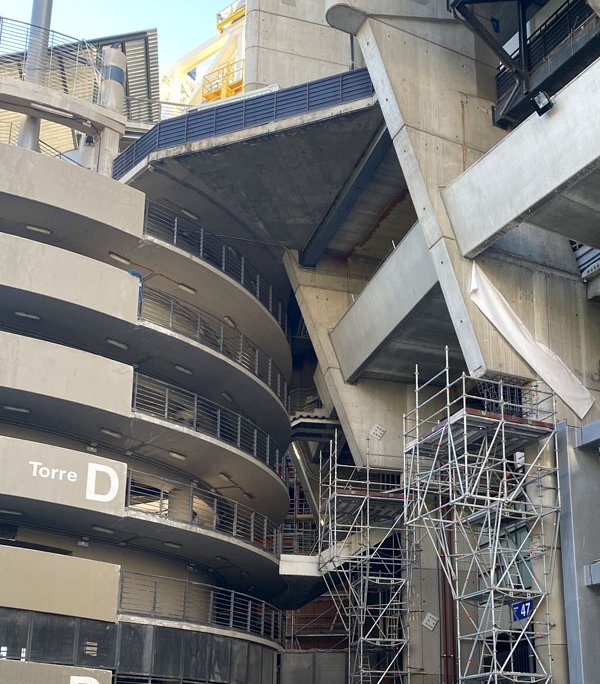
[291, 101]
[171, 132]
[260, 110]
[222, 118]
[229, 117]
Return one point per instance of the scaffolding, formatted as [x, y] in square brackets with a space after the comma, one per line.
[481, 486]
[364, 563]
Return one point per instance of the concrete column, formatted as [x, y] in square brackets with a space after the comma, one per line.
[595, 5]
[36, 67]
[111, 97]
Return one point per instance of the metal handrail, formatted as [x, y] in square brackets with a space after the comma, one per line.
[176, 405]
[70, 65]
[188, 503]
[159, 307]
[193, 238]
[146, 110]
[546, 38]
[174, 599]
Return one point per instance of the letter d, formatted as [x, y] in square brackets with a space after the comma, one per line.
[90, 488]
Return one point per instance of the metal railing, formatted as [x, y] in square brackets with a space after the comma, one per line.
[228, 12]
[176, 405]
[187, 503]
[159, 307]
[304, 400]
[544, 40]
[224, 82]
[144, 110]
[174, 599]
[167, 225]
[223, 118]
[69, 65]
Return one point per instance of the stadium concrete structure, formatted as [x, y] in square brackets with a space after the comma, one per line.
[372, 272]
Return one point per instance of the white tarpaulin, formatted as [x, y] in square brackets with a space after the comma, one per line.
[544, 361]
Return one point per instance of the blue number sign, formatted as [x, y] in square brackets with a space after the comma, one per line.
[522, 610]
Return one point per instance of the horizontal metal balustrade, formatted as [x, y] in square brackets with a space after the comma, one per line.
[159, 307]
[206, 122]
[176, 405]
[187, 503]
[174, 599]
[69, 65]
[167, 225]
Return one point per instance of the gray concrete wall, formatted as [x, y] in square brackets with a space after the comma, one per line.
[53, 583]
[579, 474]
[288, 42]
[14, 672]
[39, 268]
[40, 367]
[40, 190]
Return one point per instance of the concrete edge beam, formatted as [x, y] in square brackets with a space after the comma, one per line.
[527, 167]
[45, 103]
[394, 291]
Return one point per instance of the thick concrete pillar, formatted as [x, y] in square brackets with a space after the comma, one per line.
[36, 67]
[111, 97]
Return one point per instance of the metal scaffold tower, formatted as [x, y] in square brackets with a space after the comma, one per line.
[481, 486]
[362, 556]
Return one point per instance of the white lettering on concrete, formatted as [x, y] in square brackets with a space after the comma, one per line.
[40, 470]
[75, 679]
[91, 492]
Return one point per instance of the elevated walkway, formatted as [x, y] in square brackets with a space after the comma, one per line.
[544, 173]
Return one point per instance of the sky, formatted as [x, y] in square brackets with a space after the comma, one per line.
[181, 24]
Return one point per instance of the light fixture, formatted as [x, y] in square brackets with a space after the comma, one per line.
[189, 214]
[116, 343]
[541, 102]
[221, 559]
[91, 448]
[39, 229]
[15, 409]
[186, 288]
[244, 574]
[225, 476]
[111, 433]
[183, 369]
[226, 396]
[26, 314]
[248, 495]
[177, 456]
[229, 321]
[83, 542]
[105, 530]
[129, 453]
[172, 545]
[120, 259]
[8, 511]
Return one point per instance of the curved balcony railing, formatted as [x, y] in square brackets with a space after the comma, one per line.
[190, 504]
[174, 599]
[159, 307]
[60, 62]
[176, 405]
[191, 237]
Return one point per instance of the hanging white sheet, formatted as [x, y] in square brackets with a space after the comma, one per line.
[544, 361]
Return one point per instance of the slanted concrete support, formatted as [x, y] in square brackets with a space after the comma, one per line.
[323, 299]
